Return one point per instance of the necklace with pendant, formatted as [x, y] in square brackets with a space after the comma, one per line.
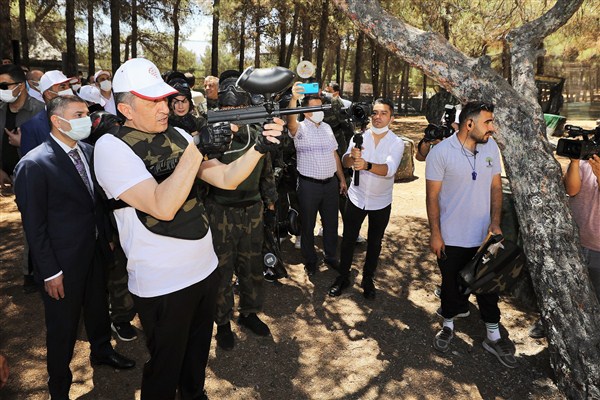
[472, 165]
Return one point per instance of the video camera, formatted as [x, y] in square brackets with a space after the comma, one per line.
[360, 113]
[440, 132]
[579, 149]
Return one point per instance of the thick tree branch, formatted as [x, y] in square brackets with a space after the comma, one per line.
[525, 40]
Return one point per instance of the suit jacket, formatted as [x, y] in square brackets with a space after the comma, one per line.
[34, 132]
[59, 215]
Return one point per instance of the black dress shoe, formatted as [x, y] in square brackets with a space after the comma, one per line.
[114, 360]
[311, 269]
[369, 288]
[341, 283]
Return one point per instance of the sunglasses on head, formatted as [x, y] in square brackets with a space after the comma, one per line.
[489, 107]
[5, 85]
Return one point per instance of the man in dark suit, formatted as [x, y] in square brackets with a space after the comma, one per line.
[66, 227]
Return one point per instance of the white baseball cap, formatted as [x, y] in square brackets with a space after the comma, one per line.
[51, 78]
[101, 72]
[92, 94]
[141, 77]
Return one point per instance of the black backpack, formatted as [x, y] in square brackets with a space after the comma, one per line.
[494, 268]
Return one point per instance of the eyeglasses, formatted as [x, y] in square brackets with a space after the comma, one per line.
[5, 85]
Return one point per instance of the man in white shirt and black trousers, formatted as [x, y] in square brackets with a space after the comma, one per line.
[376, 162]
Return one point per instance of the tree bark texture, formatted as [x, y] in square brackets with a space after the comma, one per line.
[71, 65]
[6, 37]
[214, 60]
[307, 38]
[242, 43]
[91, 44]
[134, 28]
[175, 34]
[375, 67]
[290, 48]
[322, 38]
[358, 65]
[23, 29]
[257, 39]
[115, 39]
[283, 16]
[566, 298]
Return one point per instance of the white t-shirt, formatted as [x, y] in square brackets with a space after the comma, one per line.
[374, 192]
[156, 264]
[110, 105]
[465, 203]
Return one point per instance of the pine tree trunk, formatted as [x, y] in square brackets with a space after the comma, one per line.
[71, 62]
[23, 29]
[6, 37]
[293, 34]
[175, 35]
[358, 64]
[322, 38]
[257, 40]
[134, 29]
[241, 63]
[91, 44]
[115, 39]
[214, 60]
[567, 300]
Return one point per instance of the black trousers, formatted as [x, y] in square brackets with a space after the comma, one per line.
[321, 197]
[62, 321]
[453, 302]
[353, 219]
[178, 328]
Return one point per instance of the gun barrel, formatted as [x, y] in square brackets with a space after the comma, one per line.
[257, 114]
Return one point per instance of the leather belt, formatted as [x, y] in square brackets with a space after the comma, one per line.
[313, 180]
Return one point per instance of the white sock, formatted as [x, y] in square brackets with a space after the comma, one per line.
[449, 323]
[493, 331]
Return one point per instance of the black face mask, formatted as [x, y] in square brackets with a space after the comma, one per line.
[232, 96]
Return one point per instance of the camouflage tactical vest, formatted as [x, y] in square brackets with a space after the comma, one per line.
[160, 154]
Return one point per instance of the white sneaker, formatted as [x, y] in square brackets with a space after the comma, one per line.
[297, 245]
[360, 239]
[320, 233]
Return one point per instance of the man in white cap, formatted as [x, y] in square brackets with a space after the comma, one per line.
[36, 131]
[93, 98]
[150, 170]
[103, 81]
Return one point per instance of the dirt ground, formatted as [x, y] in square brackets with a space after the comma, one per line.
[321, 347]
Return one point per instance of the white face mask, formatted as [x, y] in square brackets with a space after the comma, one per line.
[105, 85]
[63, 93]
[379, 131]
[80, 128]
[76, 87]
[8, 97]
[317, 117]
[328, 95]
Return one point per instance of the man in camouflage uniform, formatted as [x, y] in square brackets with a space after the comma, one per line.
[236, 220]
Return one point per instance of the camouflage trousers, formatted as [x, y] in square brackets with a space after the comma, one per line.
[238, 238]
[120, 300]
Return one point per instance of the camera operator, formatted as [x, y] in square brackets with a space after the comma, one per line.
[435, 134]
[378, 160]
[163, 226]
[582, 185]
[236, 220]
[320, 179]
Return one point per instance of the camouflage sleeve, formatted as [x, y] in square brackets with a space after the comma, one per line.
[268, 188]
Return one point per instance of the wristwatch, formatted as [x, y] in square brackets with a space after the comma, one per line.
[369, 166]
